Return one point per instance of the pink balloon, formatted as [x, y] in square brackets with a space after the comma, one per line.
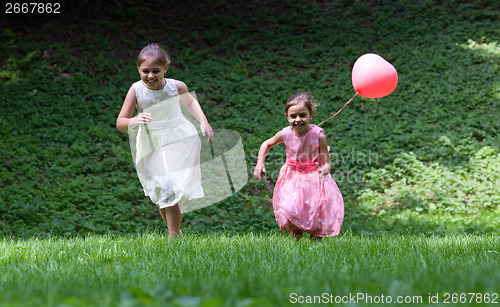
[373, 77]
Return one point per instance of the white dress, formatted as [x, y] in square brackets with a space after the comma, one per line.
[166, 151]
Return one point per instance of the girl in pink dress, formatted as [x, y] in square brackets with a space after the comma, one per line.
[306, 198]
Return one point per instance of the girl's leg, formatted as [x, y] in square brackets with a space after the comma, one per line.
[296, 234]
[173, 218]
[294, 230]
[163, 215]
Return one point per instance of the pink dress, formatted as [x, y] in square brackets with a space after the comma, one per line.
[302, 199]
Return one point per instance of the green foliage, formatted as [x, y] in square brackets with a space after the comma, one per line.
[423, 159]
[411, 194]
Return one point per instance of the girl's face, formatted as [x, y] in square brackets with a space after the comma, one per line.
[298, 117]
[152, 74]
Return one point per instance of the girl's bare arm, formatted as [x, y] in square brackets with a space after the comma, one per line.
[193, 106]
[260, 168]
[324, 165]
[125, 119]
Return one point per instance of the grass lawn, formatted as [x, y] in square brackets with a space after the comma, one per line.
[248, 270]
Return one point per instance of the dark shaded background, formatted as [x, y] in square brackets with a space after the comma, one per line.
[139, 21]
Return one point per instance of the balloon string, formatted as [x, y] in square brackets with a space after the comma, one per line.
[339, 110]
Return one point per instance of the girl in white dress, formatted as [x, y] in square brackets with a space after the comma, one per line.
[165, 145]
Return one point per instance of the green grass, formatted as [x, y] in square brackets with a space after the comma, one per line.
[241, 270]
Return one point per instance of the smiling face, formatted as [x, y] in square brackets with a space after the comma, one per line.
[152, 72]
[298, 117]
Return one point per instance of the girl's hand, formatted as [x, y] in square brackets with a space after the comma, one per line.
[323, 171]
[141, 119]
[206, 129]
[259, 170]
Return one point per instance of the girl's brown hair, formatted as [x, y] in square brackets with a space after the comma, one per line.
[304, 98]
[155, 52]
